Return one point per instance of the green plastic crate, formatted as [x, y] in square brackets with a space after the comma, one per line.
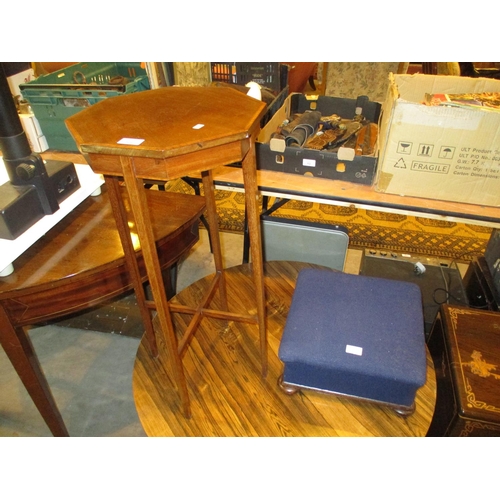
[59, 95]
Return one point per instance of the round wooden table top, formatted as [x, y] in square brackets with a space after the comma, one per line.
[229, 396]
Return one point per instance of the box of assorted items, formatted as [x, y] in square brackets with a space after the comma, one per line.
[440, 139]
[329, 137]
[59, 95]
[465, 347]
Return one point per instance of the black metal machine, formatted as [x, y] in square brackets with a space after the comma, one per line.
[35, 187]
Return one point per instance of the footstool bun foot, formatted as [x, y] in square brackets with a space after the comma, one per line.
[290, 390]
[405, 411]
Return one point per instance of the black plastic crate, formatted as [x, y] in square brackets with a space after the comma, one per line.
[272, 75]
[278, 101]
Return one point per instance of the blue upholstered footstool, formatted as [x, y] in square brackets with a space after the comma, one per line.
[357, 336]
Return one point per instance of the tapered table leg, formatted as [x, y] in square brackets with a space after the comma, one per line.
[19, 350]
[144, 226]
[120, 216]
[253, 215]
[213, 225]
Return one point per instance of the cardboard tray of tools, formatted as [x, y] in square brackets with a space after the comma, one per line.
[340, 164]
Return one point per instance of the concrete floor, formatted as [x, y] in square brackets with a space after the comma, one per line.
[90, 372]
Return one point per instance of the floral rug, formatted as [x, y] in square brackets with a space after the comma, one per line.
[366, 228]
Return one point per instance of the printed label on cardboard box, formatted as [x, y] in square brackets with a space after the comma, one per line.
[440, 152]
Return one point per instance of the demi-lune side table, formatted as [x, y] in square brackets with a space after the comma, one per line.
[79, 264]
[164, 134]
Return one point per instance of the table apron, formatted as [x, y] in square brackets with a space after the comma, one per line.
[164, 169]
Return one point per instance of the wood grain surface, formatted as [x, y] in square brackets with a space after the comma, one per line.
[79, 263]
[229, 396]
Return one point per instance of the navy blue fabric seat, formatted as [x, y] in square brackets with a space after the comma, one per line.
[355, 335]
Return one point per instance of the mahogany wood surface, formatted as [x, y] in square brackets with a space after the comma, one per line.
[165, 134]
[465, 344]
[80, 263]
[167, 119]
[228, 396]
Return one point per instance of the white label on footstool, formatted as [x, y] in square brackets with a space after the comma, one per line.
[352, 349]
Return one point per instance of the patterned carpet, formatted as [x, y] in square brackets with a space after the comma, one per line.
[367, 229]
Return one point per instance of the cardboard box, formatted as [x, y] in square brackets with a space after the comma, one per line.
[343, 165]
[17, 79]
[439, 152]
[34, 134]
